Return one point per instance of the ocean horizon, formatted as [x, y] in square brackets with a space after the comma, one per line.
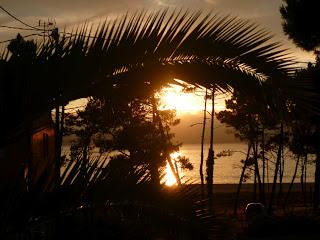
[227, 169]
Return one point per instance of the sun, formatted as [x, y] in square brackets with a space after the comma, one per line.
[175, 98]
[172, 97]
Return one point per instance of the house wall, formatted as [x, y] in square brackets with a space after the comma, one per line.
[43, 159]
[13, 165]
[15, 162]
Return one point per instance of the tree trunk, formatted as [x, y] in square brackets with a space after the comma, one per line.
[209, 178]
[257, 172]
[61, 126]
[168, 158]
[303, 190]
[292, 181]
[301, 176]
[268, 182]
[316, 182]
[210, 159]
[155, 176]
[84, 164]
[263, 163]
[235, 207]
[59, 136]
[255, 185]
[273, 190]
[305, 181]
[154, 170]
[202, 143]
[280, 179]
[157, 118]
[281, 171]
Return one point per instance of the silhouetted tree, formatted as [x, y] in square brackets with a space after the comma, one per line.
[210, 158]
[250, 119]
[192, 47]
[298, 146]
[307, 125]
[277, 165]
[127, 128]
[301, 23]
[240, 115]
[202, 142]
[135, 51]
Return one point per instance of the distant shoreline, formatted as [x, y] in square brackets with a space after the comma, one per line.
[248, 187]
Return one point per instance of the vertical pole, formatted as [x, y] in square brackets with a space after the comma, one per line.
[202, 142]
[210, 160]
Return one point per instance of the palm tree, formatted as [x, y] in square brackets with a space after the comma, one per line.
[137, 54]
[134, 55]
[201, 49]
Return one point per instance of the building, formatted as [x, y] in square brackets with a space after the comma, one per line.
[28, 156]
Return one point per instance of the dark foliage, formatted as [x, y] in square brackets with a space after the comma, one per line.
[301, 23]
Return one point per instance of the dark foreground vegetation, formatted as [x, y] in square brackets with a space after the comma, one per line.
[110, 185]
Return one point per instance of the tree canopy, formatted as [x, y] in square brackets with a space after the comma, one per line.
[136, 54]
[300, 23]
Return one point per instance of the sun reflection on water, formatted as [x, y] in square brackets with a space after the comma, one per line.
[170, 179]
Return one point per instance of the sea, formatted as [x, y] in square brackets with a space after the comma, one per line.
[228, 167]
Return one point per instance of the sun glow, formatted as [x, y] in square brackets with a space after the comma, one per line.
[170, 179]
[171, 98]
[175, 98]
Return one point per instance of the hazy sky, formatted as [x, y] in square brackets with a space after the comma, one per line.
[68, 13]
[72, 12]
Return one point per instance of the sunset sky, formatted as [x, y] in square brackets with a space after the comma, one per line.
[71, 13]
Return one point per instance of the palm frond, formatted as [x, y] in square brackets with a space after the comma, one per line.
[149, 41]
[156, 47]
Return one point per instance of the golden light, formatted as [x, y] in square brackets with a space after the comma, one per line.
[175, 98]
[170, 179]
[75, 105]
[174, 155]
[172, 98]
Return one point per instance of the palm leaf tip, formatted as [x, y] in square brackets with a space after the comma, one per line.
[167, 41]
